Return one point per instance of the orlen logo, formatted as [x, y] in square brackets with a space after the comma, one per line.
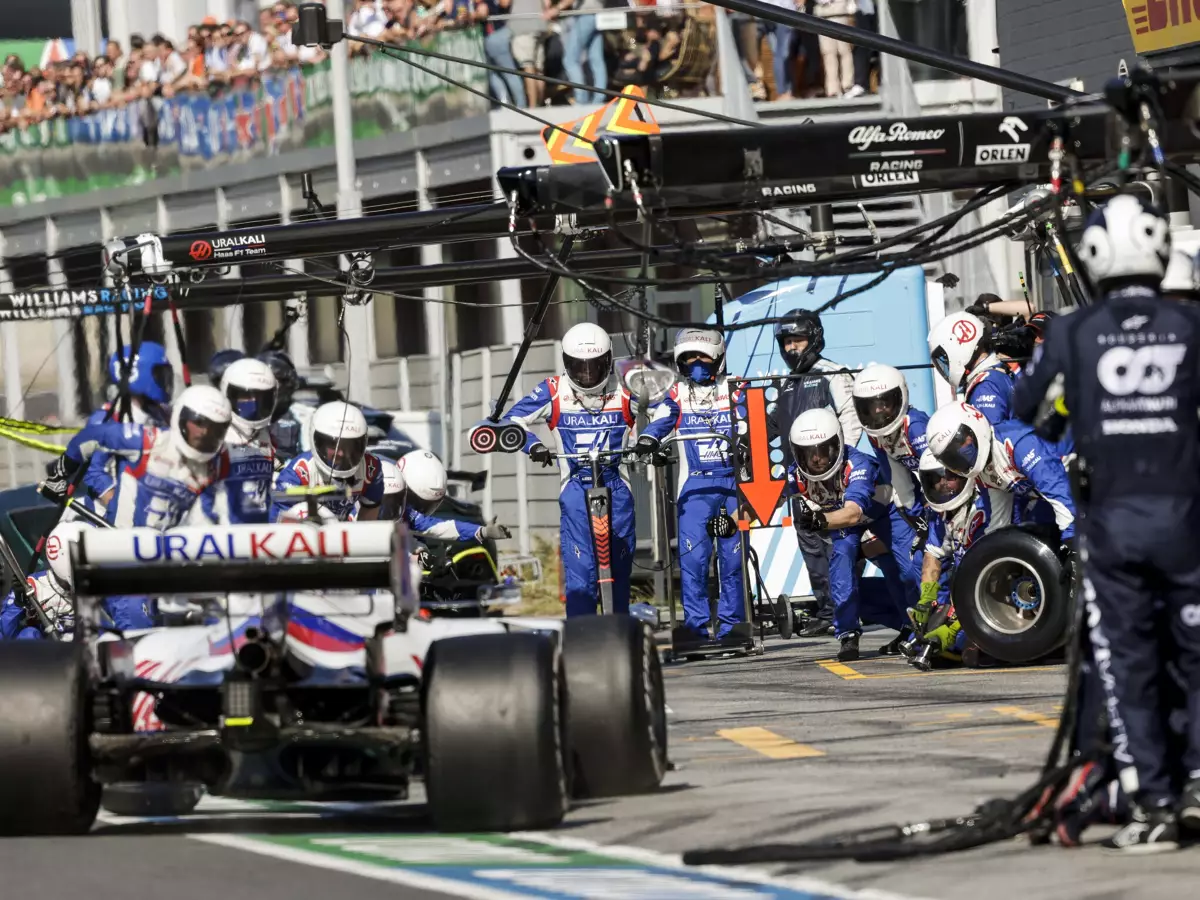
[964, 331]
[200, 250]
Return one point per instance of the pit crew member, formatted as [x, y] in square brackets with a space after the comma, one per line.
[837, 487]
[705, 490]
[822, 384]
[413, 489]
[1126, 371]
[585, 408]
[960, 347]
[287, 432]
[220, 361]
[52, 589]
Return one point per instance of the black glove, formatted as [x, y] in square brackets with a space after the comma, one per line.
[647, 445]
[809, 519]
[539, 453]
[722, 525]
[58, 478]
[921, 527]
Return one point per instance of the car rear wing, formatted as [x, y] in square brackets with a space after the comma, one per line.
[203, 561]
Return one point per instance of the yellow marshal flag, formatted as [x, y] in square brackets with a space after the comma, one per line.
[1162, 24]
[620, 115]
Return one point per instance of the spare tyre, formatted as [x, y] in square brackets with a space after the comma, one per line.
[616, 711]
[494, 744]
[46, 785]
[1012, 594]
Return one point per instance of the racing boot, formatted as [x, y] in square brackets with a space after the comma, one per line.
[1154, 830]
[849, 650]
[897, 644]
[816, 627]
[1189, 806]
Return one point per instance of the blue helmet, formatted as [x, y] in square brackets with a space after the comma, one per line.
[222, 360]
[151, 375]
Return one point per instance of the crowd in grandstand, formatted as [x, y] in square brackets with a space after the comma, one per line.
[667, 47]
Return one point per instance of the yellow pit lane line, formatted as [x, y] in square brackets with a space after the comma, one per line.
[769, 744]
[846, 673]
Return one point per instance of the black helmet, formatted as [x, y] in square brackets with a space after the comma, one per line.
[222, 360]
[285, 374]
[806, 324]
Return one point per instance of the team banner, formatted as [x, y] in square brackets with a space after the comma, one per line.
[278, 112]
[66, 303]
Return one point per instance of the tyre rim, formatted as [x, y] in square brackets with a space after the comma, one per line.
[1008, 595]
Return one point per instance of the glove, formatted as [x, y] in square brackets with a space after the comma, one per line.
[424, 559]
[492, 532]
[722, 525]
[945, 636]
[919, 615]
[58, 479]
[540, 454]
[921, 527]
[809, 519]
[647, 445]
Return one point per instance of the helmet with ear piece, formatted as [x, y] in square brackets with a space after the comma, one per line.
[58, 551]
[1125, 241]
[250, 387]
[961, 438]
[338, 433]
[944, 489]
[802, 324]
[880, 399]
[693, 343]
[587, 357]
[817, 444]
[954, 342]
[424, 480]
[199, 420]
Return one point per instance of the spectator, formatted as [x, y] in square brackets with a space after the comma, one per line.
[581, 40]
[398, 27]
[367, 20]
[497, 48]
[837, 56]
[783, 41]
[116, 65]
[100, 89]
[528, 43]
[865, 19]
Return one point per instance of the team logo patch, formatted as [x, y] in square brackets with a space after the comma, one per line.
[964, 331]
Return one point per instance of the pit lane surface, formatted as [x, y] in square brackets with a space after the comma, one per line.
[779, 748]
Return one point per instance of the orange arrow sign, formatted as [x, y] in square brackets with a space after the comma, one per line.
[762, 492]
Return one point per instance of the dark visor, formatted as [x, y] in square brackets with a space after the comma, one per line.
[341, 454]
[250, 404]
[817, 459]
[941, 485]
[589, 373]
[879, 411]
[201, 433]
[941, 362]
[962, 453]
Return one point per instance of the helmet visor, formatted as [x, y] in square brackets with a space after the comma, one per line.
[941, 361]
[941, 485]
[250, 404]
[962, 453]
[818, 460]
[589, 373]
[342, 454]
[880, 411]
[201, 433]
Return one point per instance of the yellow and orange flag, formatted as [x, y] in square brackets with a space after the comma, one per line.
[620, 115]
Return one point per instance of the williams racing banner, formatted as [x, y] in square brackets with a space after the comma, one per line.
[276, 112]
[65, 303]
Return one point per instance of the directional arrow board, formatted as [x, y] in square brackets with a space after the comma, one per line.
[758, 491]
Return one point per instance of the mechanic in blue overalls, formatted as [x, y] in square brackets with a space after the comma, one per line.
[705, 488]
[414, 488]
[52, 589]
[837, 487]
[960, 347]
[161, 472]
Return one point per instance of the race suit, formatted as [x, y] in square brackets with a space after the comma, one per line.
[578, 423]
[102, 468]
[243, 497]
[365, 486]
[990, 387]
[1029, 468]
[818, 387]
[852, 596]
[15, 623]
[704, 487]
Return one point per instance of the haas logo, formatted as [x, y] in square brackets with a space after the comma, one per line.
[964, 332]
[1010, 125]
[200, 250]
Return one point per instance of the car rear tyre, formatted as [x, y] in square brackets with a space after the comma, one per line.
[616, 713]
[494, 743]
[1012, 595]
[46, 786]
[152, 799]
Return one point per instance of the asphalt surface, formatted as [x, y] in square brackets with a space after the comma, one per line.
[771, 749]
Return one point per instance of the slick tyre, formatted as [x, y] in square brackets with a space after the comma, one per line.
[154, 798]
[46, 785]
[616, 712]
[494, 742]
[1007, 570]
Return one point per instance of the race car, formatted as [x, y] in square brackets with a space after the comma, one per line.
[311, 675]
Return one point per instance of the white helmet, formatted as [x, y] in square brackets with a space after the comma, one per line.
[700, 341]
[944, 489]
[58, 550]
[1125, 240]
[199, 420]
[880, 399]
[817, 446]
[338, 434]
[1182, 279]
[393, 481]
[960, 437]
[250, 387]
[424, 478]
[953, 343]
[587, 358]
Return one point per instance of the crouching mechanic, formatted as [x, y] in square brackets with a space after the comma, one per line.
[413, 489]
[837, 494]
[52, 590]
[584, 409]
[705, 489]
